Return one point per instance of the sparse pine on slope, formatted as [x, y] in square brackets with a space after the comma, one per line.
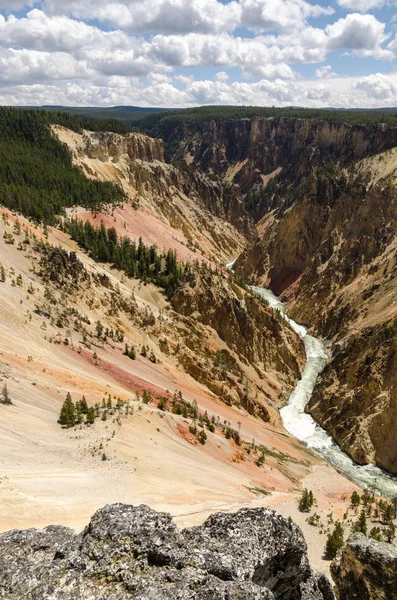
[5, 396]
[138, 261]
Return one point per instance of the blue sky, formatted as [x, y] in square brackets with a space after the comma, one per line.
[188, 52]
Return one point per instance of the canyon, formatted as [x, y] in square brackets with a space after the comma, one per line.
[307, 209]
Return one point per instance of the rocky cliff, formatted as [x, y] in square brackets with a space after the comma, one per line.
[129, 552]
[211, 216]
[366, 570]
[245, 151]
[328, 246]
[259, 341]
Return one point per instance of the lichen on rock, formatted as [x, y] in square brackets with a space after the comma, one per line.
[134, 552]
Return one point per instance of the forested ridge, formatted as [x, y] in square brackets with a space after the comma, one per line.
[37, 176]
[160, 122]
[118, 116]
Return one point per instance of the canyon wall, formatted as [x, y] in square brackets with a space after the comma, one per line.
[366, 570]
[206, 215]
[328, 246]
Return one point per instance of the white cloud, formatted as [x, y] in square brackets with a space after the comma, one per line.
[222, 76]
[111, 53]
[363, 34]
[24, 66]
[163, 16]
[375, 90]
[325, 72]
[378, 86]
[159, 78]
[37, 31]
[15, 4]
[255, 56]
[193, 16]
[184, 79]
[363, 5]
[270, 71]
[267, 15]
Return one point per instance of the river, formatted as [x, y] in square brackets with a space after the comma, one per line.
[305, 428]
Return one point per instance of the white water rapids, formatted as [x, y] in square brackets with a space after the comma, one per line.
[305, 428]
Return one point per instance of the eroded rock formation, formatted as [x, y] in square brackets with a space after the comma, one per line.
[256, 336]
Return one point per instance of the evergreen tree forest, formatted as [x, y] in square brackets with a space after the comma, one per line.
[37, 177]
[136, 260]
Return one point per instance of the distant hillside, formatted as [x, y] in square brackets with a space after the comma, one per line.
[126, 114]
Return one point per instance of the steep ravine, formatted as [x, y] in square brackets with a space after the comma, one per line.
[329, 250]
[303, 426]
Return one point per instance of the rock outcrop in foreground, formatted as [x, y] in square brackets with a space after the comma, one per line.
[366, 570]
[134, 552]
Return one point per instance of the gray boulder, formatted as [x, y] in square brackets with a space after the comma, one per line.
[129, 552]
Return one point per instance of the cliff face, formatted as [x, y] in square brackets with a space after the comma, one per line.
[366, 570]
[328, 247]
[210, 216]
[151, 176]
[356, 396]
[245, 150]
[259, 342]
[136, 553]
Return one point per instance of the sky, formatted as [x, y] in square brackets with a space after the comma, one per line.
[179, 53]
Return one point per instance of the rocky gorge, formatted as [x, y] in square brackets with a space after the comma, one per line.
[323, 197]
[196, 374]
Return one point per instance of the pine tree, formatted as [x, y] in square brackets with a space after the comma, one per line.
[146, 397]
[84, 405]
[334, 542]
[5, 396]
[132, 353]
[67, 417]
[390, 532]
[361, 525]
[90, 416]
[79, 416]
[388, 513]
[394, 502]
[306, 501]
[162, 405]
[144, 351]
[376, 534]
